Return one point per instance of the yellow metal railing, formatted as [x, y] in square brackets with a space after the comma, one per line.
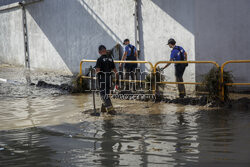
[222, 73]
[221, 85]
[183, 62]
[115, 61]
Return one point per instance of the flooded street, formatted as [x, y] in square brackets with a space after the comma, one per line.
[41, 127]
[55, 131]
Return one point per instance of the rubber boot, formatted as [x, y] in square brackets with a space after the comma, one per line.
[103, 108]
[182, 95]
[110, 110]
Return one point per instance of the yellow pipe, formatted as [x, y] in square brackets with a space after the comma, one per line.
[237, 83]
[132, 81]
[141, 62]
[182, 62]
[80, 72]
[116, 61]
[86, 77]
[190, 83]
[222, 73]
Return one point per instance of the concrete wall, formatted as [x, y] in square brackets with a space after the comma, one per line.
[62, 32]
[217, 30]
[161, 21]
[11, 37]
[222, 32]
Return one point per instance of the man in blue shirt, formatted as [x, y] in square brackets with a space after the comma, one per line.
[130, 54]
[178, 54]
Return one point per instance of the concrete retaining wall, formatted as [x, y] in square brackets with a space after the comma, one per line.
[11, 37]
[62, 32]
[162, 21]
[222, 32]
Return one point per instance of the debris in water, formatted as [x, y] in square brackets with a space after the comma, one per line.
[211, 82]
[48, 85]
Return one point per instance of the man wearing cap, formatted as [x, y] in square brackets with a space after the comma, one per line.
[178, 54]
[130, 54]
[104, 66]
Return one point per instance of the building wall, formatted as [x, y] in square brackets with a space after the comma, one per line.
[169, 19]
[62, 32]
[11, 37]
[222, 33]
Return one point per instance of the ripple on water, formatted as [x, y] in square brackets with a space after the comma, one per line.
[56, 131]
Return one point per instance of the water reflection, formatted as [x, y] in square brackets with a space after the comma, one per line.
[54, 131]
[25, 148]
[217, 135]
[110, 155]
[186, 146]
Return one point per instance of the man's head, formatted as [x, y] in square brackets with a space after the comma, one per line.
[171, 43]
[126, 42]
[102, 50]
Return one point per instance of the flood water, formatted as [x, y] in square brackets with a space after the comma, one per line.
[39, 127]
[59, 131]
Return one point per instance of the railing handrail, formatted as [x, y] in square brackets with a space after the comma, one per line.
[117, 61]
[222, 75]
[182, 62]
[153, 67]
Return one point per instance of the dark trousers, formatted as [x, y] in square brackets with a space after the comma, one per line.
[179, 71]
[105, 86]
[130, 71]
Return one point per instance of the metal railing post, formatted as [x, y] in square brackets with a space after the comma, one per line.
[116, 61]
[222, 76]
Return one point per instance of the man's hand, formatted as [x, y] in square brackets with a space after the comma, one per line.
[163, 68]
[117, 81]
[123, 58]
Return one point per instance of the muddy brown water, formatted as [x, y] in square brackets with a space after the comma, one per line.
[59, 131]
[40, 128]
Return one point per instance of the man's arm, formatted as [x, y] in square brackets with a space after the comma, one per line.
[97, 70]
[185, 54]
[136, 55]
[98, 66]
[116, 76]
[123, 58]
[167, 64]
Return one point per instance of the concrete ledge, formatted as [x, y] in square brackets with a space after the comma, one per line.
[10, 6]
[18, 4]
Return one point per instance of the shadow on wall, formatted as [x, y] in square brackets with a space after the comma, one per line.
[141, 37]
[73, 28]
[226, 37]
[7, 2]
[216, 25]
[185, 17]
[171, 19]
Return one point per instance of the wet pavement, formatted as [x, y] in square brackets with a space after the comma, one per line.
[44, 127]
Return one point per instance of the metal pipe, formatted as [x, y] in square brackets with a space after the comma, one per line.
[222, 73]
[190, 83]
[136, 25]
[182, 62]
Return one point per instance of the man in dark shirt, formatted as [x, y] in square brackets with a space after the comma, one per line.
[178, 54]
[104, 66]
